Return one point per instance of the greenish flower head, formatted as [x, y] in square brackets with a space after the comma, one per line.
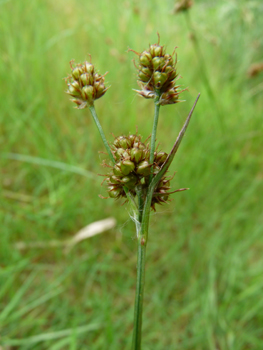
[157, 74]
[132, 168]
[85, 85]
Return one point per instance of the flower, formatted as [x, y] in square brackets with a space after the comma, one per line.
[85, 85]
[157, 74]
[132, 170]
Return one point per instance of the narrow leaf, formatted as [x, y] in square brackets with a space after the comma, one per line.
[52, 335]
[171, 155]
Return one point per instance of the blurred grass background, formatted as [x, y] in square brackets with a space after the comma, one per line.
[204, 261]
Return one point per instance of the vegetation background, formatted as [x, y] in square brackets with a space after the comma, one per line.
[204, 261]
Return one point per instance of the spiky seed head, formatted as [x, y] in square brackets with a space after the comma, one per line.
[157, 74]
[85, 84]
[133, 168]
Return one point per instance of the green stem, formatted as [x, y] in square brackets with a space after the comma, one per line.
[141, 254]
[137, 330]
[95, 117]
[142, 236]
[154, 130]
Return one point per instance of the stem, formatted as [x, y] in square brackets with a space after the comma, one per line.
[142, 235]
[137, 330]
[154, 130]
[95, 117]
[142, 227]
[141, 254]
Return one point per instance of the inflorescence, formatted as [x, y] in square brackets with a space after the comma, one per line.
[132, 169]
[157, 75]
[85, 85]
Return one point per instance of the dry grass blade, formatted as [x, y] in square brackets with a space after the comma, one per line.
[88, 231]
[91, 230]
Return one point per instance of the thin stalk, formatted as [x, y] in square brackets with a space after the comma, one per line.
[154, 130]
[96, 120]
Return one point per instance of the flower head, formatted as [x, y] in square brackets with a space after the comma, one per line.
[157, 74]
[132, 169]
[85, 85]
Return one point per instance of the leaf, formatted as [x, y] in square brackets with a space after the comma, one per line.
[157, 178]
[171, 155]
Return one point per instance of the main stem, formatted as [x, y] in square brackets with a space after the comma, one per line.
[142, 236]
[141, 258]
[138, 308]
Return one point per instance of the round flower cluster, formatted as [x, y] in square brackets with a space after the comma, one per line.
[133, 169]
[85, 85]
[157, 75]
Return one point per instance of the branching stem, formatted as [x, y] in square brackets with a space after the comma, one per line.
[142, 228]
[142, 234]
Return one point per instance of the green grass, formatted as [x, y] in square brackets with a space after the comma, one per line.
[204, 261]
